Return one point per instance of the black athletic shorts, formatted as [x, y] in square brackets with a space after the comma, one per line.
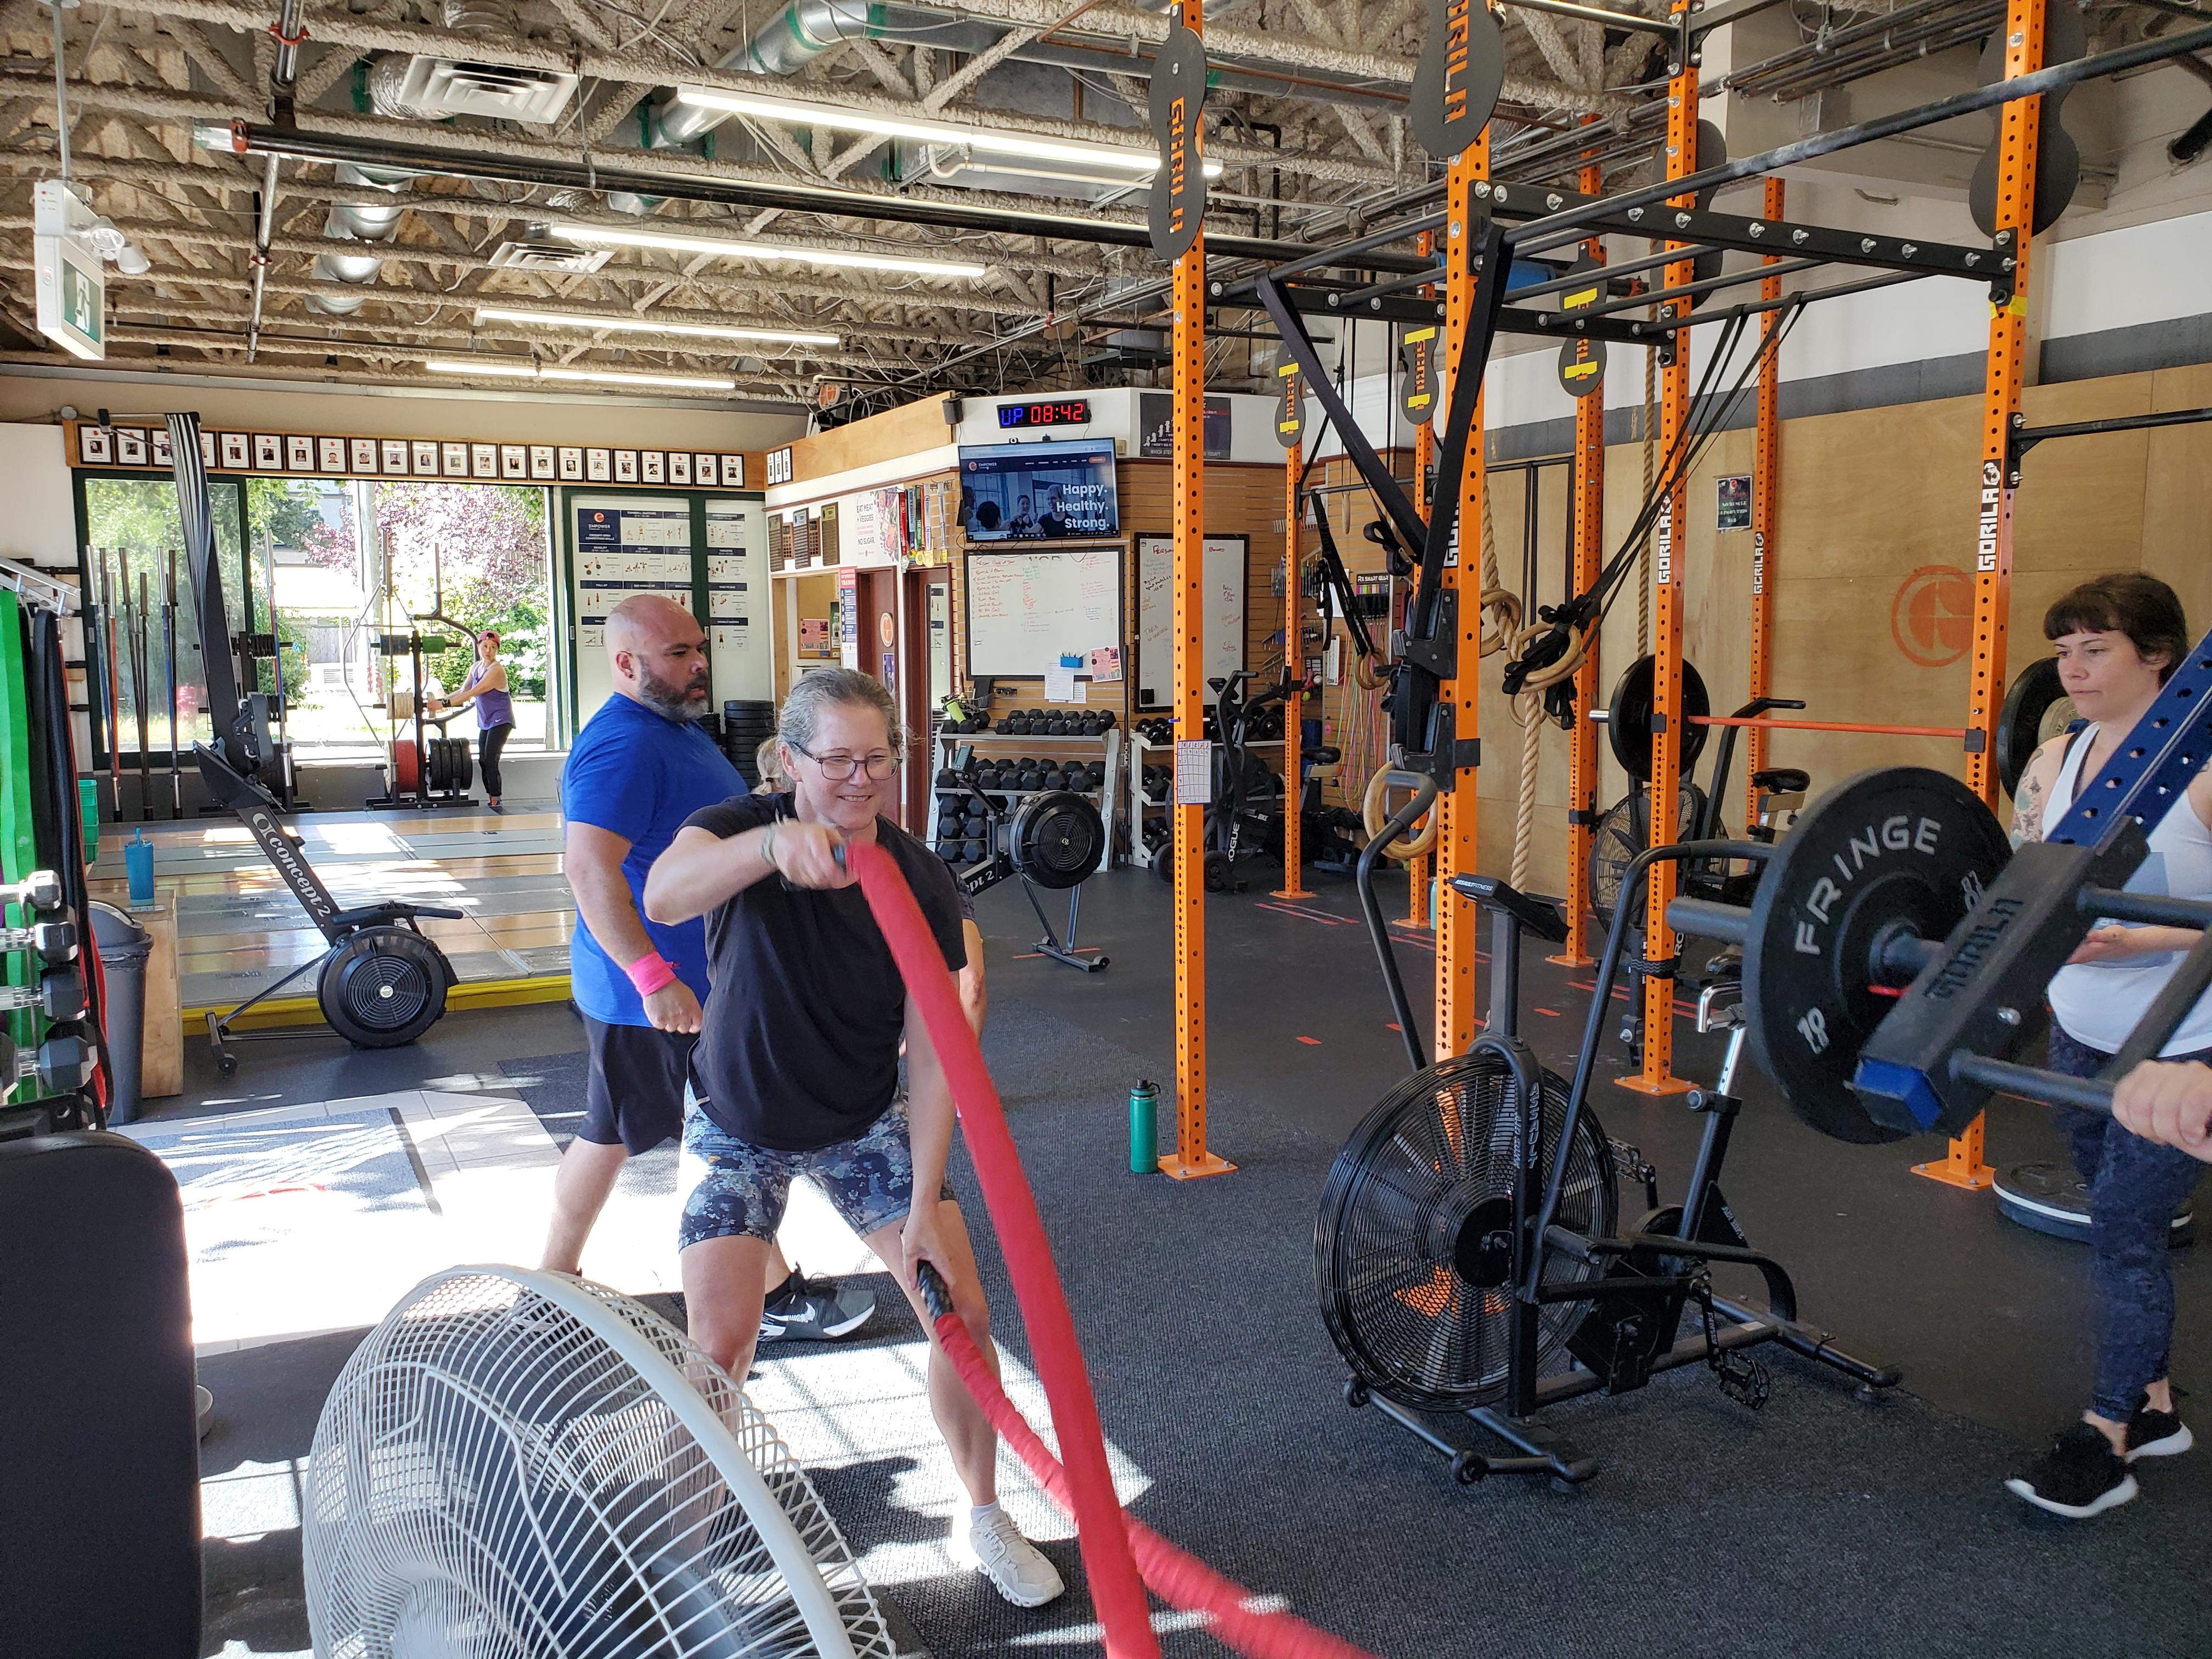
[636, 1092]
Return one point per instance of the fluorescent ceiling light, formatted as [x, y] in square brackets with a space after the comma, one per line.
[515, 371]
[644, 324]
[614, 236]
[1032, 144]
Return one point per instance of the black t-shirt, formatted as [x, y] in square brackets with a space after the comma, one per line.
[799, 1045]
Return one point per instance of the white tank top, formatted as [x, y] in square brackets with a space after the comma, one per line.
[2098, 1003]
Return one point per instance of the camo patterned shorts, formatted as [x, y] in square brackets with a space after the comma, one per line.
[742, 1190]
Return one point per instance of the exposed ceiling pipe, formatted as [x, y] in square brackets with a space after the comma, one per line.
[283, 74]
[654, 68]
[247, 138]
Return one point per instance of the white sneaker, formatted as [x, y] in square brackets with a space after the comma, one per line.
[1017, 1570]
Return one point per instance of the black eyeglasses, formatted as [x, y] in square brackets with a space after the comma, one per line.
[838, 768]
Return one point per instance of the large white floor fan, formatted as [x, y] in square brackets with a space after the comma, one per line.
[517, 1465]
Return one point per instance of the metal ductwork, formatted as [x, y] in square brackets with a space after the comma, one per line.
[794, 37]
[370, 220]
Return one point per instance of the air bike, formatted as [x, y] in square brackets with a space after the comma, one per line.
[1471, 1258]
[380, 983]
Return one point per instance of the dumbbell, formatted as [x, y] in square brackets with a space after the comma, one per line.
[63, 1063]
[948, 823]
[1030, 779]
[1055, 779]
[975, 824]
[59, 994]
[52, 940]
[1106, 719]
[948, 779]
[974, 852]
[950, 850]
[1006, 726]
[39, 890]
[1081, 776]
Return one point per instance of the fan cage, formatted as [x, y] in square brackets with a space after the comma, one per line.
[1426, 1174]
[367, 980]
[518, 1466]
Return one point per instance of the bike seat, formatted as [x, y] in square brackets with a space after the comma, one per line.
[1324, 754]
[1539, 917]
[1782, 781]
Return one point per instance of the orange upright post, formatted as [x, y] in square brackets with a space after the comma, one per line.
[1765, 474]
[1424, 457]
[1590, 559]
[1965, 1164]
[1457, 1015]
[1294, 886]
[1657, 1077]
[1190, 1158]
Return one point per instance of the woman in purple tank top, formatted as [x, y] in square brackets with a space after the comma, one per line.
[486, 688]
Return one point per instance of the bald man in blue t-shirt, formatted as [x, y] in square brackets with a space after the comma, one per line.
[640, 766]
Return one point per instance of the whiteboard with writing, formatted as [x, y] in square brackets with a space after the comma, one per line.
[1026, 610]
[1221, 634]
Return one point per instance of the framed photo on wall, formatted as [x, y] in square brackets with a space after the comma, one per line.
[513, 461]
[364, 455]
[426, 457]
[330, 454]
[483, 460]
[237, 450]
[652, 466]
[453, 460]
[599, 465]
[571, 463]
[625, 466]
[96, 446]
[299, 454]
[395, 457]
[541, 460]
[680, 467]
[269, 451]
[157, 443]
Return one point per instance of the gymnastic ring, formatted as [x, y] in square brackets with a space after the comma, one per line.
[1369, 677]
[1375, 812]
[1505, 604]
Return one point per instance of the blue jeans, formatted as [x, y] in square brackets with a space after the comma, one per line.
[2135, 1188]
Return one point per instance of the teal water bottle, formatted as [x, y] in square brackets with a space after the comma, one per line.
[1143, 1129]
[138, 868]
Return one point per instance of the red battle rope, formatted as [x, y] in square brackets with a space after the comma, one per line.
[1113, 1544]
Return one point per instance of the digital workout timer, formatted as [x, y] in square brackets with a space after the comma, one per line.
[1069, 411]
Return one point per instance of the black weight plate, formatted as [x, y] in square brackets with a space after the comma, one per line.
[1902, 845]
[383, 987]
[1057, 840]
[2036, 710]
[1628, 717]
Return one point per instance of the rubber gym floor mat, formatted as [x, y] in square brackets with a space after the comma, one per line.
[1817, 1527]
[1987, 1319]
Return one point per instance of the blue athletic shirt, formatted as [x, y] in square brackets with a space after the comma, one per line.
[638, 775]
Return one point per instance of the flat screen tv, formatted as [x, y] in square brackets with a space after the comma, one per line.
[1039, 492]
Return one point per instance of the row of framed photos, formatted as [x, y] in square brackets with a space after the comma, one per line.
[415, 458]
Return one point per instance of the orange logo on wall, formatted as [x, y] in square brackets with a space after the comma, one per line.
[1932, 618]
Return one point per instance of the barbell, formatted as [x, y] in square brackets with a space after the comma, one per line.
[1896, 953]
[1632, 720]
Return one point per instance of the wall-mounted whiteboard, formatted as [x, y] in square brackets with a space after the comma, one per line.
[1221, 636]
[1027, 609]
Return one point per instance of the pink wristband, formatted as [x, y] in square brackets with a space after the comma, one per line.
[650, 972]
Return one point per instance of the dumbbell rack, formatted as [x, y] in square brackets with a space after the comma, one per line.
[989, 745]
[1141, 856]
